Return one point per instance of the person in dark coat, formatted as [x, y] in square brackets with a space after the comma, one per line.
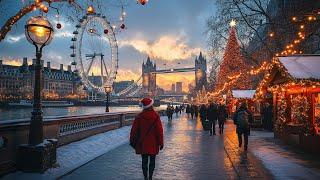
[188, 110]
[212, 117]
[203, 112]
[242, 119]
[146, 136]
[222, 116]
[267, 117]
[177, 111]
[192, 109]
[169, 112]
[196, 111]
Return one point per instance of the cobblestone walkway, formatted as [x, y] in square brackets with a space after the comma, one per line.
[189, 153]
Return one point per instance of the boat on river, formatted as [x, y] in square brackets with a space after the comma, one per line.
[26, 103]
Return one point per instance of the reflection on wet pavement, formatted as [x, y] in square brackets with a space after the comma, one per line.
[189, 153]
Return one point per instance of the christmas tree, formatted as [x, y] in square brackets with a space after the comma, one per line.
[233, 63]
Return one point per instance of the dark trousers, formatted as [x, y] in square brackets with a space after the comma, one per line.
[245, 135]
[221, 126]
[212, 125]
[148, 163]
[192, 115]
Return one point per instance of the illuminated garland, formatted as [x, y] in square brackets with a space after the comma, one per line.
[265, 67]
[40, 4]
[300, 113]
[281, 113]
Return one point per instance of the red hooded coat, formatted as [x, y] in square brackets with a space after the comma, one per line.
[148, 144]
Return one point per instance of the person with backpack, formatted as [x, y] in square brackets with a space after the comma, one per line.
[146, 136]
[212, 117]
[242, 119]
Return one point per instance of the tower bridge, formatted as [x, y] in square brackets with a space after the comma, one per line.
[147, 82]
[149, 74]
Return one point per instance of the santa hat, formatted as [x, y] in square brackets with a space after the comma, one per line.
[146, 103]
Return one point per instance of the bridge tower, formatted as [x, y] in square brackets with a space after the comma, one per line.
[149, 85]
[200, 72]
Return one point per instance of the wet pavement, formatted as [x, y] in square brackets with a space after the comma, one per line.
[189, 153]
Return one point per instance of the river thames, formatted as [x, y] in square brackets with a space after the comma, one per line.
[22, 113]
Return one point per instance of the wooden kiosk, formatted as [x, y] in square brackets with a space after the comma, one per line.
[236, 97]
[294, 83]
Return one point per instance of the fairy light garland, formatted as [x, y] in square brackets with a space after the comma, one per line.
[41, 5]
[290, 49]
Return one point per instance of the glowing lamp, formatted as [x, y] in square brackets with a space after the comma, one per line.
[271, 34]
[39, 31]
[90, 10]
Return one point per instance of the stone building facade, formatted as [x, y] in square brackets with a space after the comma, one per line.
[16, 82]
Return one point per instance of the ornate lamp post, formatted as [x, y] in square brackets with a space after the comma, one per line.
[34, 156]
[108, 90]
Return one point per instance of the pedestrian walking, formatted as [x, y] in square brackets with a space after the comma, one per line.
[188, 110]
[180, 109]
[196, 111]
[177, 111]
[242, 119]
[222, 116]
[168, 112]
[212, 117]
[203, 113]
[146, 137]
[192, 109]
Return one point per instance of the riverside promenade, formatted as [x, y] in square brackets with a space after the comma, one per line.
[189, 153]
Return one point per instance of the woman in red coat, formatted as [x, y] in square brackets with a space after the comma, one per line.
[147, 136]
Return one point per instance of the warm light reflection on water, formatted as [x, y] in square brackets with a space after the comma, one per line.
[21, 113]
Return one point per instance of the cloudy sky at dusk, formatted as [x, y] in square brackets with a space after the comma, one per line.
[169, 31]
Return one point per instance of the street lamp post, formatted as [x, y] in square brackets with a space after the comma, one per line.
[108, 90]
[37, 155]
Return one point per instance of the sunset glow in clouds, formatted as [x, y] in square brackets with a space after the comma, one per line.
[168, 47]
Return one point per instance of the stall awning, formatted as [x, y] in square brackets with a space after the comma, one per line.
[249, 94]
[302, 67]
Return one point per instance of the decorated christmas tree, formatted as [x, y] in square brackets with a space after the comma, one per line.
[233, 63]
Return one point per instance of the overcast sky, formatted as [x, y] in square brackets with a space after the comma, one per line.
[169, 31]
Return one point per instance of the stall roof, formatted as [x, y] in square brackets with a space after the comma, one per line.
[243, 93]
[302, 67]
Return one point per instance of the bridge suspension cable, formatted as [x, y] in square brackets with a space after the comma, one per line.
[133, 87]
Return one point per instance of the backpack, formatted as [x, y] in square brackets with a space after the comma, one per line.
[243, 120]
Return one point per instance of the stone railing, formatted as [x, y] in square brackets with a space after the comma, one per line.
[65, 129]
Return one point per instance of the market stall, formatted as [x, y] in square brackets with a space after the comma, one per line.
[294, 82]
[236, 97]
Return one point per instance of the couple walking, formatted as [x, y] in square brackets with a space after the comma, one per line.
[213, 113]
[146, 136]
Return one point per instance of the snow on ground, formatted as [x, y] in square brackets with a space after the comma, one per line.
[76, 154]
[282, 163]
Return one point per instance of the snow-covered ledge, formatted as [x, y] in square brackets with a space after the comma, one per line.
[76, 154]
